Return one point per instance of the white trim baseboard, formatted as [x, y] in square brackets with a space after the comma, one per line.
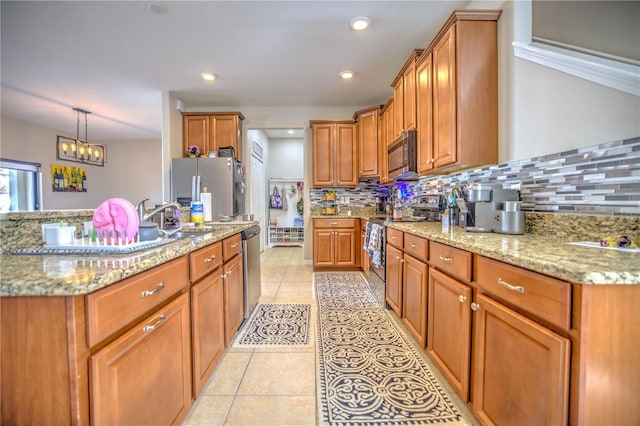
[613, 74]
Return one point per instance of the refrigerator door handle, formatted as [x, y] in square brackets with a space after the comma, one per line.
[195, 188]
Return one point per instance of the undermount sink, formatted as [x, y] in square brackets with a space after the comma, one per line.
[598, 246]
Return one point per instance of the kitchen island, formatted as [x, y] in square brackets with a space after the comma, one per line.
[114, 339]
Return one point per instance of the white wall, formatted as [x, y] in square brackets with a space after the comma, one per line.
[132, 170]
[285, 158]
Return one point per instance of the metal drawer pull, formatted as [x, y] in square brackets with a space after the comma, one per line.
[462, 298]
[334, 223]
[393, 237]
[148, 328]
[508, 286]
[412, 245]
[475, 306]
[446, 259]
[154, 291]
[234, 245]
[210, 259]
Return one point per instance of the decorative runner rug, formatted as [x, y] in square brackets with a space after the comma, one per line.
[276, 325]
[369, 373]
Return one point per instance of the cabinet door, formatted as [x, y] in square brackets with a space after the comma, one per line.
[449, 322]
[345, 247]
[398, 109]
[424, 94]
[382, 148]
[323, 247]
[207, 327]
[414, 306]
[233, 297]
[521, 369]
[391, 122]
[225, 131]
[323, 155]
[444, 100]
[368, 143]
[195, 131]
[345, 155]
[394, 279]
[144, 377]
[409, 95]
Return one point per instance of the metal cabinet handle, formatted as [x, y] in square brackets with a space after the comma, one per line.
[401, 260]
[393, 237]
[154, 291]
[446, 259]
[234, 245]
[462, 298]
[511, 287]
[475, 306]
[334, 223]
[147, 328]
[210, 259]
[413, 245]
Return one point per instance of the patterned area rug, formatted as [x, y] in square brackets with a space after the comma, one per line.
[369, 373]
[276, 325]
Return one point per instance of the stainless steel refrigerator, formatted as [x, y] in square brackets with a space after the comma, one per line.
[222, 176]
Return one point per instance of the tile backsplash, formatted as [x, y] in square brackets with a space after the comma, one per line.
[601, 179]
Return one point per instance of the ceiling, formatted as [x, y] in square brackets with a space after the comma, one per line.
[116, 59]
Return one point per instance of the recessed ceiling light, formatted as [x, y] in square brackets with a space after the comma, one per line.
[360, 23]
[208, 76]
[157, 8]
[346, 74]
[290, 131]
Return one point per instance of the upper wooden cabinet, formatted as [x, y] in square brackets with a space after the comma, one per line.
[367, 123]
[334, 153]
[404, 95]
[210, 131]
[457, 94]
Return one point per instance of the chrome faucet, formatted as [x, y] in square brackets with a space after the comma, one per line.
[146, 216]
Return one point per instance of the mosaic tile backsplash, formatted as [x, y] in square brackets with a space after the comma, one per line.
[601, 179]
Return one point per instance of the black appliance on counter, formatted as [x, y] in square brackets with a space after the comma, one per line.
[402, 157]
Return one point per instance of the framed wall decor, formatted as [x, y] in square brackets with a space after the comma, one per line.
[68, 178]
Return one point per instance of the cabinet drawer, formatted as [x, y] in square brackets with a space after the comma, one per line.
[111, 308]
[450, 260]
[231, 246]
[335, 223]
[416, 246]
[543, 296]
[395, 238]
[205, 260]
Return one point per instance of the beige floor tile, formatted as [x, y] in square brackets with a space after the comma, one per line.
[264, 375]
[227, 375]
[209, 410]
[273, 410]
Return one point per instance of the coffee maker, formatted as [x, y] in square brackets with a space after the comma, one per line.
[490, 208]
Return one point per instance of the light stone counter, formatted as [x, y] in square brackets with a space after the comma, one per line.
[71, 275]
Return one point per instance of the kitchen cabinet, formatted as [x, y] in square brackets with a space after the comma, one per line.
[210, 131]
[384, 138]
[334, 153]
[368, 147]
[232, 274]
[335, 242]
[407, 280]
[404, 95]
[144, 376]
[517, 313]
[464, 114]
[207, 312]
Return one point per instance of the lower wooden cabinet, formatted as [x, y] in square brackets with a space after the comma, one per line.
[207, 327]
[144, 377]
[335, 242]
[449, 321]
[393, 284]
[521, 369]
[414, 303]
[233, 297]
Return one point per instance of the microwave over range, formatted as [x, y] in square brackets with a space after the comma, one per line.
[402, 157]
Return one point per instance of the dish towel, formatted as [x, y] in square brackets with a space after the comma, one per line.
[373, 243]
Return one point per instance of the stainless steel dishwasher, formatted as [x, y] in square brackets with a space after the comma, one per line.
[251, 268]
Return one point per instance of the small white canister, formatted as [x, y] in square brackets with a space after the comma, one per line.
[197, 212]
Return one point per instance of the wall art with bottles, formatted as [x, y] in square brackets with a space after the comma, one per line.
[68, 178]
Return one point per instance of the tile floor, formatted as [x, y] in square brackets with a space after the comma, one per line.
[271, 386]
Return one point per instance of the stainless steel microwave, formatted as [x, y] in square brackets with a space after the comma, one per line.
[402, 157]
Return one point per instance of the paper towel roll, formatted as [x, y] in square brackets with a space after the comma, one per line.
[205, 197]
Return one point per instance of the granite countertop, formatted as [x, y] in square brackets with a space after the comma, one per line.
[72, 275]
[540, 253]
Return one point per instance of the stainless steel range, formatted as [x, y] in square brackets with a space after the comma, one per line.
[377, 278]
